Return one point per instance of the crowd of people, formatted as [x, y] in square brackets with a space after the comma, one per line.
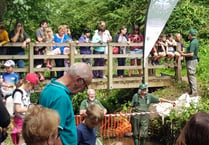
[166, 46]
[60, 127]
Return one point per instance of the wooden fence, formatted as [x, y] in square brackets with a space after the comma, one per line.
[112, 82]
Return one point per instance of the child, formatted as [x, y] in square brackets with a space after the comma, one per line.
[9, 79]
[163, 46]
[86, 131]
[171, 48]
[49, 39]
[21, 100]
[85, 49]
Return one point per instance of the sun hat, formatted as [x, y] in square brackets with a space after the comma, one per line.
[9, 63]
[192, 32]
[143, 86]
[32, 78]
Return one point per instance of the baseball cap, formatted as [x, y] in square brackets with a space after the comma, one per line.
[192, 32]
[143, 86]
[32, 78]
[9, 63]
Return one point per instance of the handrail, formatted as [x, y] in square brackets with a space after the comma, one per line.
[75, 57]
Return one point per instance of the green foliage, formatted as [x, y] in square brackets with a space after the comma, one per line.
[118, 100]
[188, 15]
[77, 99]
[34, 97]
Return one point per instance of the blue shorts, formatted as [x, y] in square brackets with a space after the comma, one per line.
[171, 49]
[136, 51]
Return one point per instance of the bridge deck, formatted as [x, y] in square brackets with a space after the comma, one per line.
[112, 81]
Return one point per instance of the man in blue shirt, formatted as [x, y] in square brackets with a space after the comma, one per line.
[56, 95]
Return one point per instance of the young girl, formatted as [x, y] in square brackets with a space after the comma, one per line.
[136, 37]
[49, 39]
[21, 98]
[171, 48]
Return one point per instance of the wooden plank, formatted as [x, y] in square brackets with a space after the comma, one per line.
[31, 57]
[72, 54]
[50, 56]
[92, 56]
[13, 57]
[110, 68]
[145, 73]
[25, 69]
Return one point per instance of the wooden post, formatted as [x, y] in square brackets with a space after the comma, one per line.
[110, 67]
[31, 57]
[178, 68]
[146, 72]
[72, 53]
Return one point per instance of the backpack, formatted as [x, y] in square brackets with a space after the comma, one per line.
[10, 103]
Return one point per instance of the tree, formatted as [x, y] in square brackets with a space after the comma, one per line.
[2, 6]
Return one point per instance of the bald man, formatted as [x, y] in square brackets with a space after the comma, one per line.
[91, 100]
[56, 95]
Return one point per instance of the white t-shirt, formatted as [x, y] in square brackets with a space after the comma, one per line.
[23, 100]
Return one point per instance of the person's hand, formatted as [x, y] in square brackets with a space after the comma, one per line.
[173, 103]
[0, 44]
[19, 29]
[24, 45]
[180, 52]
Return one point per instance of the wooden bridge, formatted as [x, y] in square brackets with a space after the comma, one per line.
[112, 82]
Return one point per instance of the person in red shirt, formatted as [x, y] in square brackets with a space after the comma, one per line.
[136, 37]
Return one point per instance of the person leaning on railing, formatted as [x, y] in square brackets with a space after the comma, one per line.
[122, 37]
[140, 103]
[136, 37]
[18, 35]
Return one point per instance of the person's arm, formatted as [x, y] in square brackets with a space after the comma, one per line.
[191, 54]
[83, 113]
[82, 39]
[169, 101]
[17, 103]
[19, 109]
[39, 38]
[27, 40]
[6, 38]
[16, 35]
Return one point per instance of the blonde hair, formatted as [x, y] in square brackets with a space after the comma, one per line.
[61, 27]
[49, 34]
[39, 124]
[95, 113]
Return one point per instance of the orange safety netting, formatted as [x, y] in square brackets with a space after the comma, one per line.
[112, 125]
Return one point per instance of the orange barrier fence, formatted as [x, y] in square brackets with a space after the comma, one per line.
[114, 125]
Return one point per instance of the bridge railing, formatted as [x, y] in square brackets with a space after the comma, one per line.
[110, 83]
